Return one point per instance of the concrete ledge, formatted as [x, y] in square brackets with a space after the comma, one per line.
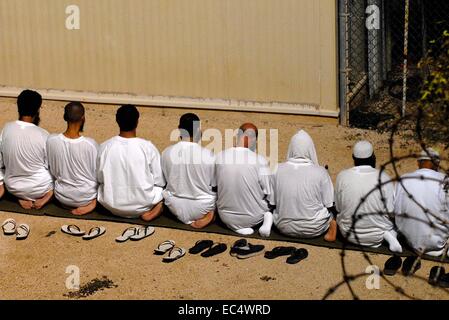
[176, 102]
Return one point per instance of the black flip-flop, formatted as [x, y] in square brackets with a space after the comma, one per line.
[279, 252]
[411, 265]
[443, 281]
[214, 250]
[392, 265]
[248, 251]
[239, 244]
[297, 256]
[201, 245]
[436, 274]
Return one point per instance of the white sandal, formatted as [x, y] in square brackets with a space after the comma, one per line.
[94, 233]
[164, 247]
[73, 230]
[9, 227]
[175, 254]
[127, 234]
[22, 231]
[142, 233]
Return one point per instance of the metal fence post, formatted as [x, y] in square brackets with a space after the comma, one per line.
[343, 60]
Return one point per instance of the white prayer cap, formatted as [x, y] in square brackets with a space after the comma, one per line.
[429, 154]
[363, 150]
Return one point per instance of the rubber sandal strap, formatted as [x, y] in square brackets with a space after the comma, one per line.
[176, 249]
[165, 242]
[134, 229]
[24, 227]
[94, 229]
[9, 221]
[69, 228]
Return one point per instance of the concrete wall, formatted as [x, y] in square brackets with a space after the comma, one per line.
[266, 55]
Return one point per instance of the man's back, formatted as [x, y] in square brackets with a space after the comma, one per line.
[303, 192]
[128, 171]
[189, 170]
[426, 231]
[73, 165]
[356, 184]
[243, 183]
[23, 147]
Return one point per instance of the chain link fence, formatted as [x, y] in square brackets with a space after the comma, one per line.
[383, 42]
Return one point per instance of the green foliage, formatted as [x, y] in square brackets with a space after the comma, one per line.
[434, 102]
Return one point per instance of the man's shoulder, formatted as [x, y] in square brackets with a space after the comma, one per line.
[261, 160]
[9, 125]
[40, 130]
[175, 146]
[108, 143]
[206, 153]
[222, 154]
[54, 136]
[91, 142]
[148, 144]
[346, 174]
[53, 139]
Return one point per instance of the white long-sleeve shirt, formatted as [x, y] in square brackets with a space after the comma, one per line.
[244, 187]
[303, 192]
[425, 231]
[352, 186]
[189, 170]
[129, 176]
[24, 157]
[73, 164]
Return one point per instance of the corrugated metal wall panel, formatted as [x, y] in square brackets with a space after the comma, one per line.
[249, 50]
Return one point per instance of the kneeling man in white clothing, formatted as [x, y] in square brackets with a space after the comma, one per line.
[365, 207]
[189, 170]
[24, 154]
[129, 171]
[304, 193]
[73, 161]
[422, 206]
[244, 185]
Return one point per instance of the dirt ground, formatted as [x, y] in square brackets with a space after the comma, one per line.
[36, 268]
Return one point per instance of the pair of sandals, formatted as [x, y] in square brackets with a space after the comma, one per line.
[295, 255]
[212, 249]
[10, 228]
[74, 230]
[135, 233]
[409, 267]
[242, 249]
[174, 253]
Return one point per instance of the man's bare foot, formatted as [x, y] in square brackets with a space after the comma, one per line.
[86, 209]
[331, 234]
[2, 190]
[153, 213]
[204, 221]
[26, 204]
[39, 203]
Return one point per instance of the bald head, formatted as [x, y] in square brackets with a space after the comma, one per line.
[247, 136]
[248, 127]
[74, 112]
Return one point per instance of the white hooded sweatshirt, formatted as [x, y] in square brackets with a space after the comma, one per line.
[303, 191]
